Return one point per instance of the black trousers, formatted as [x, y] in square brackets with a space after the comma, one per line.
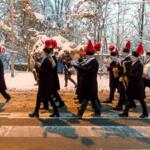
[123, 95]
[95, 105]
[129, 103]
[57, 97]
[5, 94]
[68, 77]
[113, 86]
[40, 99]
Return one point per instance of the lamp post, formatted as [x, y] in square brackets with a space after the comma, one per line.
[12, 37]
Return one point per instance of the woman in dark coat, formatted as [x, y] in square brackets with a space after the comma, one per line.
[135, 84]
[3, 84]
[45, 90]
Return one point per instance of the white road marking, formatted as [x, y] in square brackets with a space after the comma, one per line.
[75, 131]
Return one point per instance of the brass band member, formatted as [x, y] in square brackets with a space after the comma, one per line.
[88, 81]
[135, 88]
[113, 73]
[46, 85]
[58, 100]
[123, 76]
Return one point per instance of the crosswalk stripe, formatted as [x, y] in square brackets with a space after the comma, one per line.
[75, 131]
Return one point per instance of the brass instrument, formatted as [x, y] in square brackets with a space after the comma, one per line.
[124, 78]
[115, 72]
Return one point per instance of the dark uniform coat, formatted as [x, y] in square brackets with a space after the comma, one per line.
[45, 78]
[88, 88]
[2, 79]
[136, 84]
[80, 60]
[55, 76]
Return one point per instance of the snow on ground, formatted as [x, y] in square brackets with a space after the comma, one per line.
[25, 81]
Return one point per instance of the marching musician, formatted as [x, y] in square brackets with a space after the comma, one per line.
[123, 76]
[135, 88]
[88, 81]
[56, 86]
[113, 73]
[46, 84]
[80, 60]
[3, 87]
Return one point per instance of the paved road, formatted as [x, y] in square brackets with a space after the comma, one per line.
[18, 132]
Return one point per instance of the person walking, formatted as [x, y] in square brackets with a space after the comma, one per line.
[113, 73]
[88, 82]
[3, 87]
[45, 89]
[135, 90]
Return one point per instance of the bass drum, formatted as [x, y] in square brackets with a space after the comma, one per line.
[146, 72]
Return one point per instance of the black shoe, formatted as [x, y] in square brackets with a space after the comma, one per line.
[54, 115]
[8, 99]
[117, 108]
[34, 115]
[144, 116]
[108, 101]
[123, 115]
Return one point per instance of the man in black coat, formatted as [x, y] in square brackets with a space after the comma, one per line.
[135, 84]
[88, 82]
[80, 60]
[2, 83]
[123, 77]
[113, 73]
[46, 85]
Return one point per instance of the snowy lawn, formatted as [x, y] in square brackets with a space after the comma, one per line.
[25, 81]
